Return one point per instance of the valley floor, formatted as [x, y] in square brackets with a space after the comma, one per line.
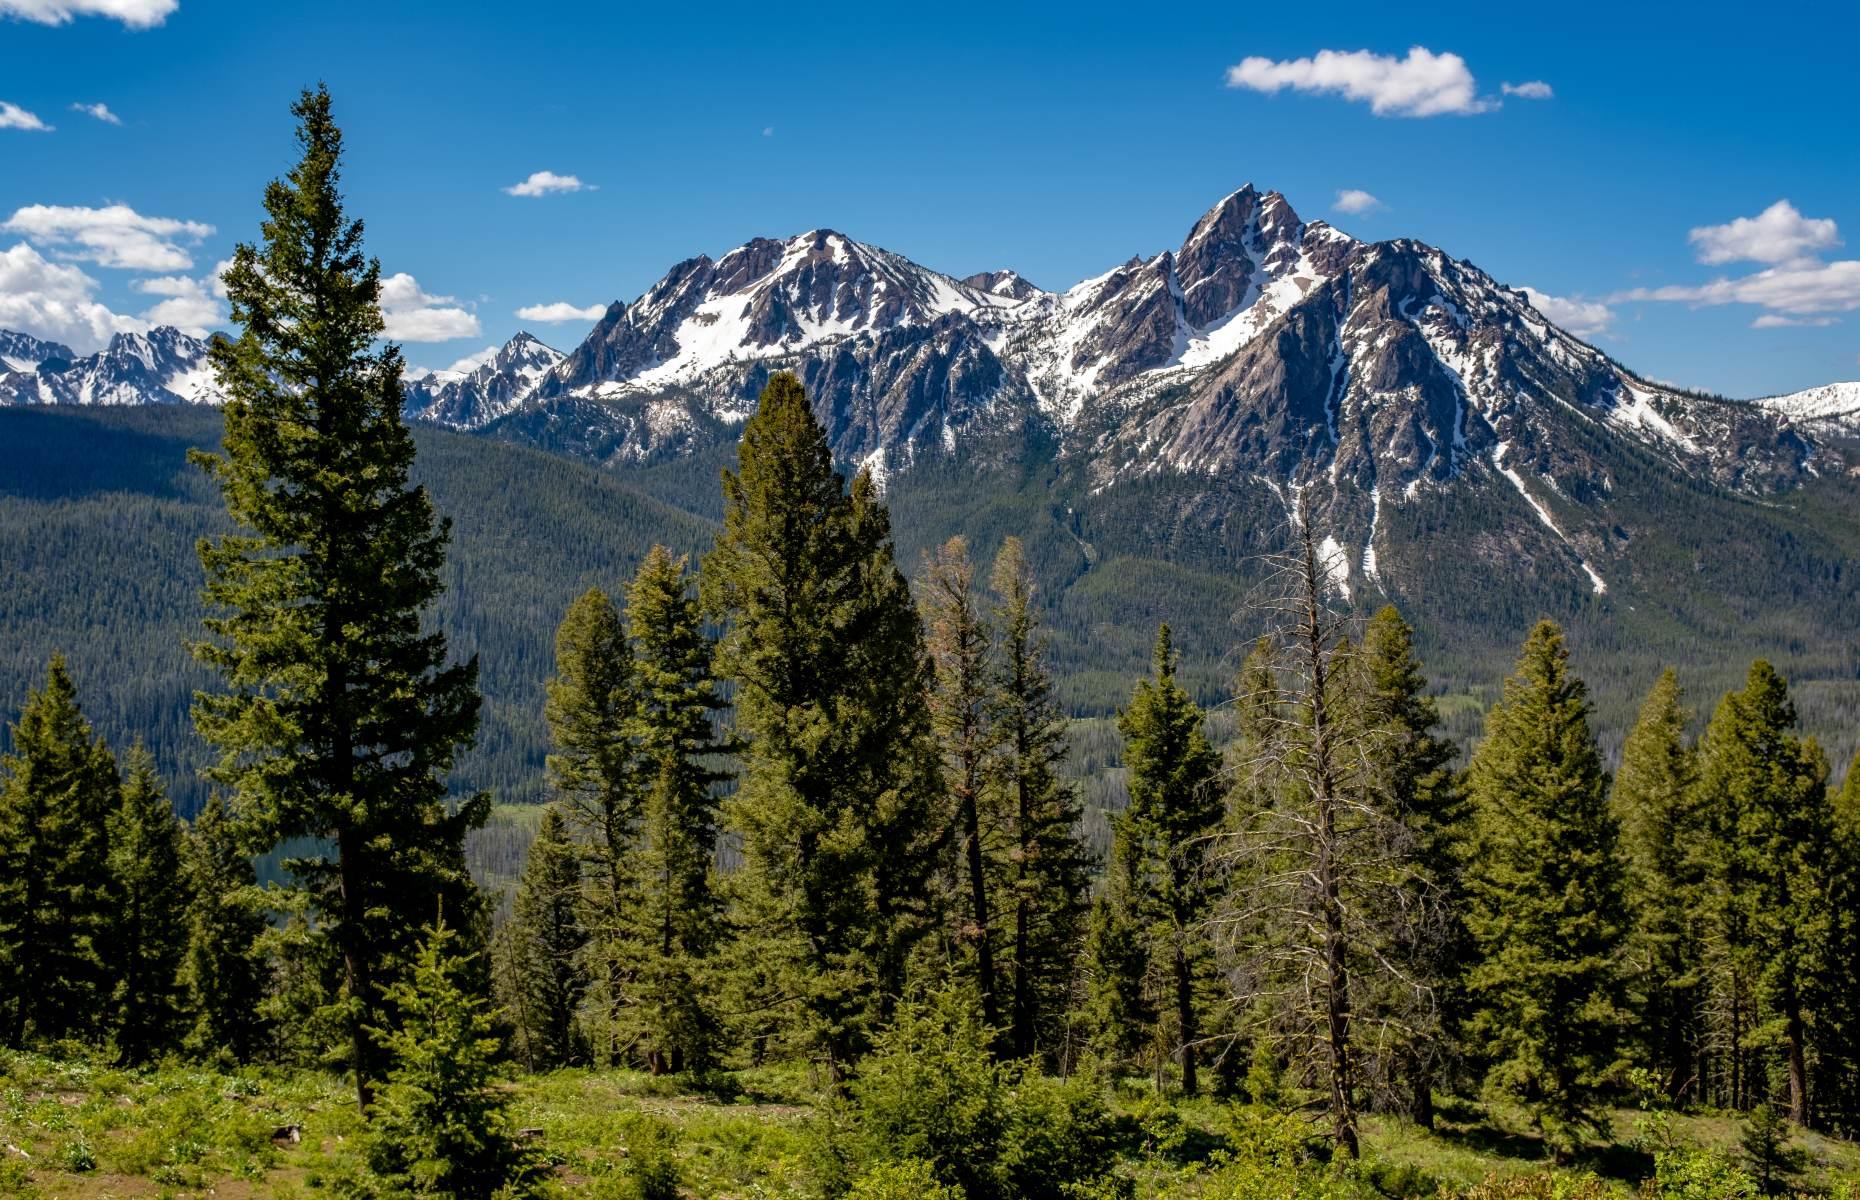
[76, 1129]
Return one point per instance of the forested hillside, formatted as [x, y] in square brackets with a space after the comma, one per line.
[99, 512]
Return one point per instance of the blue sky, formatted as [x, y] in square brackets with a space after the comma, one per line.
[1058, 142]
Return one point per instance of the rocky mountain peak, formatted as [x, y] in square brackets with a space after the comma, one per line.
[1009, 284]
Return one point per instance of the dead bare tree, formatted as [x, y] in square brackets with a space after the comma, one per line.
[1320, 897]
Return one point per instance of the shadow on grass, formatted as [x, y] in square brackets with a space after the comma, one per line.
[1470, 1126]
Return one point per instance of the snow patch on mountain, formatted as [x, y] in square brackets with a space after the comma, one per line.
[1516, 480]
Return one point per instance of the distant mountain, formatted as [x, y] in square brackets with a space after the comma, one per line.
[1830, 410]
[471, 400]
[1265, 357]
[162, 366]
[23, 352]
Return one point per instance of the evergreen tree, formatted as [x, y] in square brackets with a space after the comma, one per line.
[1175, 807]
[440, 1127]
[1837, 1084]
[1323, 892]
[830, 680]
[225, 972]
[1420, 792]
[591, 709]
[1655, 799]
[1763, 791]
[961, 643]
[56, 802]
[148, 935]
[1048, 871]
[547, 944]
[338, 717]
[1544, 889]
[680, 919]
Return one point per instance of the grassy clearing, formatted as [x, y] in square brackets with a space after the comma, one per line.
[69, 1128]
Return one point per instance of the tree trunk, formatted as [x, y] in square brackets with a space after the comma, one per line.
[1185, 1016]
[1336, 966]
[978, 904]
[355, 965]
[1798, 1058]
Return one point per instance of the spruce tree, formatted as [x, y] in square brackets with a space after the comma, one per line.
[337, 716]
[1420, 792]
[440, 1127]
[56, 802]
[148, 934]
[1545, 886]
[225, 972]
[1762, 788]
[680, 925]
[1175, 808]
[1048, 880]
[594, 771]
[961, 643]
[1837, 1090]
[1656, 802]
[830, 675]
[547, 941]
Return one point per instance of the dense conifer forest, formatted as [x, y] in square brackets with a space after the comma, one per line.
[822, 862]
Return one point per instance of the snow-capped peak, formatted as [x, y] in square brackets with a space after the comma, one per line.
[1836, 404]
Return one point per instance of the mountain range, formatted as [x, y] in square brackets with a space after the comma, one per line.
[1144, 432]
[1263, 347]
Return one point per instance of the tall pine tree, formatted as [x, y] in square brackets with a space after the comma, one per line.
[1418, 790]
[56, 803]
[1175, 808]
[1046, 897]
[148, 933]
[1763, 791]
[680, 924]
[1656, 801]
[225, 972]
[594, 770]
[830, 680]
[337, 717]
[1545, 886]
[547, 941]
[961, 643]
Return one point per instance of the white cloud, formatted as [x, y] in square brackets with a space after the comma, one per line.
[100, 111]
[116, 236]
[541, 183]
[1798, 285]
[1356, 200]
[411, 315]
[137, 14]
[1774, 321]
[54, 301]
[1530, 89]
[1584, 318]
[471, 362]
[561, 310]
[189, 305]
[1797, 288]
[1424, 84]
[1778, 234]
[768, 131]
[12, 116]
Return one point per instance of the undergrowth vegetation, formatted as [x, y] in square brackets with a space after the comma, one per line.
[927, 1120]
